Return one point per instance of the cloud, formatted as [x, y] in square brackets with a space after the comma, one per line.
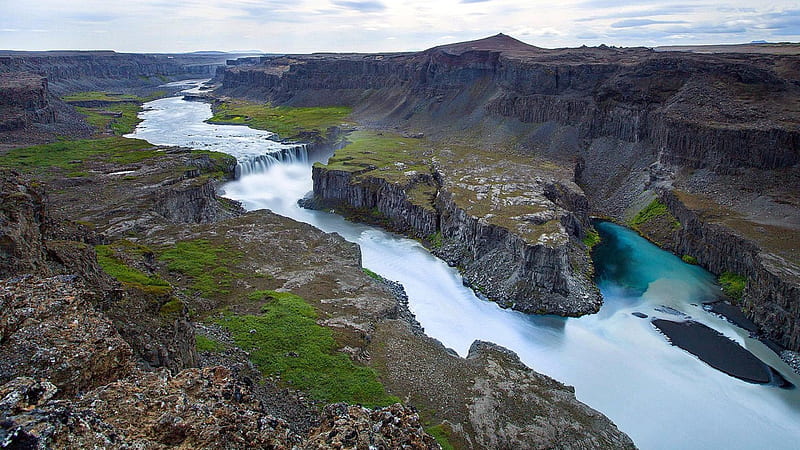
[671, 10]
[361, 5]
[283, 26]
[628, 23]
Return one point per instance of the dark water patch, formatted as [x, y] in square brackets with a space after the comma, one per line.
[716, 350]
[732, 314]
[640, 315]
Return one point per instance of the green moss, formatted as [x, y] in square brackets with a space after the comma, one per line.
[442, 434]
[371, 150]
[435, 240]
[201, 260]
[204, 344]
[732, 284]
[99, 96]
[372, 274]
[591, 239]
[654, 210]
[110, 259]
[285, 340]
[71, 155]
[172, 308]
[127, 105]
[287, 122]
[689, 259]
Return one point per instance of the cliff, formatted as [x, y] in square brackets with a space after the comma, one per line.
[518, 270]
[630, 121]
[24, 100]
[95, 70]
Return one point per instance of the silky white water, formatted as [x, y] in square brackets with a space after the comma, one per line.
[662, 396]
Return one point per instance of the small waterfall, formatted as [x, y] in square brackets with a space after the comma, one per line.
[296, 154]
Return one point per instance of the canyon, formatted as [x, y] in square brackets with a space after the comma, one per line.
[710, 136]
[495, 154]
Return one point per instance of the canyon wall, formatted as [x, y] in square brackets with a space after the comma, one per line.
[547, 275]
[94, 70]
[24, 100]
[630, 120]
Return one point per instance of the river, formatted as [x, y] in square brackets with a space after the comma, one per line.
[662, 396]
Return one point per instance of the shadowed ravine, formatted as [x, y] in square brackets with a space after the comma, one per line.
[662, 396]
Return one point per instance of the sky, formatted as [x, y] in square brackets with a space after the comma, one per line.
[304, 26]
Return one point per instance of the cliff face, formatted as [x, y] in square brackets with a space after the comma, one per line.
[546, 273]
[715, 111]
[24, 100]
[631, 121]
[93, 70]
[773, 283]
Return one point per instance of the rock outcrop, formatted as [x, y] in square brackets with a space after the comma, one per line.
[51, 331]
[532, 263]
[24, 100]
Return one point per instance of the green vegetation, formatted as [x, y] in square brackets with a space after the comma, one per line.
[287, 122]
[204, 344]
[104, 118]
[591, 239]
[655, 209]
[202, 260]
[70, 155]
[435, 240]
[372, 274]
[732, 284]
[441, 434]
[99, 96]
[371, 150]
[286, 340]
[172, 308]
[689, 259]
[110, 259]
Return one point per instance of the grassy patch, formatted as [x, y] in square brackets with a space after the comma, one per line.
[591, 239]
[171, 309]
[70, 155]
[287, 122]
[435, 240]
[102, 121]
[689, 259]
[732, 284]
[371, 150]
[441, 433]
[200, 259]
[654, 210]
[99, 96]
[204, 344]
[110, 259]
[286, 340]
[372, 274]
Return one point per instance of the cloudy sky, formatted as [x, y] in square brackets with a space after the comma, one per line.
[384, 25]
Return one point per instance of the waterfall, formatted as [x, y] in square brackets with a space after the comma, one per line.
[296, 154]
